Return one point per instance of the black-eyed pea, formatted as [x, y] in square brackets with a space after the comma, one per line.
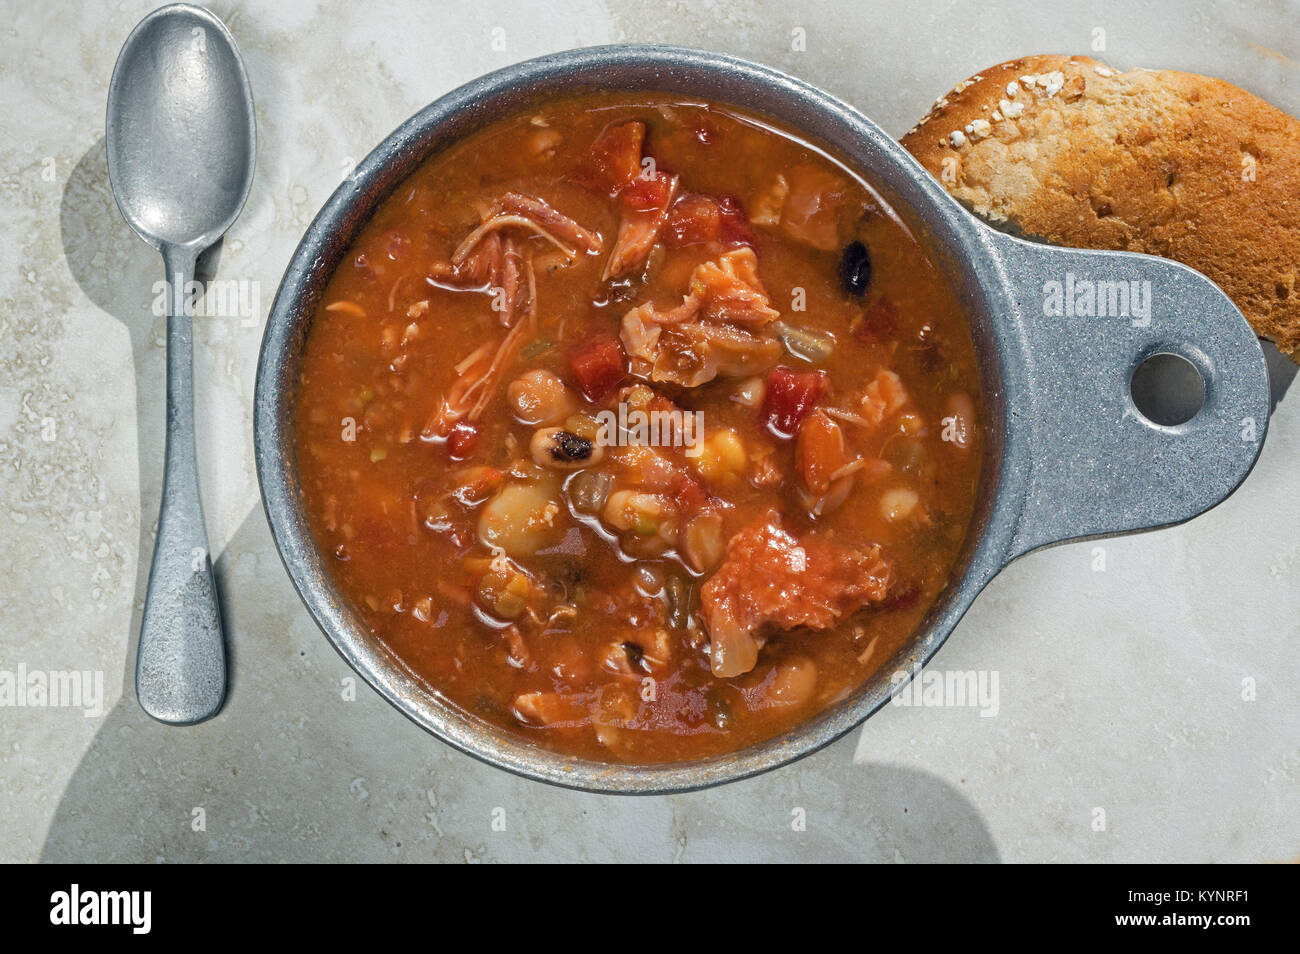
[561, 449]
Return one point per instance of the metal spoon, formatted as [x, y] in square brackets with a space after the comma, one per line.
[181, 143]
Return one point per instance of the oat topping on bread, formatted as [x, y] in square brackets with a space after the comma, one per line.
[1069, 151]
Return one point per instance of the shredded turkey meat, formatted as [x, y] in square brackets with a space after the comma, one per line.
[640, 227]
[729, 290]
[482, 261]
[490, 259]
[479, 373]
[770, 578]
[547, 217]
[715, 331]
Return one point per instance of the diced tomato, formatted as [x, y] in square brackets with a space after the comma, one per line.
[698, 219]
[461, 440]
[482, 482]
[689, 494]
[788, 398]
[694, 220]
[734, 225]
[659, 402]
[878, 321]
[647, 193]
[598, 366]
[616, 155]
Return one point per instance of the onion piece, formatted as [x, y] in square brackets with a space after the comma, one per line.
[815, 347]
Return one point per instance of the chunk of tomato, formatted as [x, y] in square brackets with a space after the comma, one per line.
[733, 225]
[878, 322]
[616, 156]
[597, 366]
[462, 439]
[647, 193]
[694, 220]
[789, 396]
[689, 494]
[699, 219]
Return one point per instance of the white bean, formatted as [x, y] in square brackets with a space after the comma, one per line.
[645, 515]
[750, 393]
[898, 503]
[959, 420]
[702, 542]
[539, 397]
[793, 683]
[521, 518]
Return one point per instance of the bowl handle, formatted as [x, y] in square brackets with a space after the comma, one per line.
[1086, 459]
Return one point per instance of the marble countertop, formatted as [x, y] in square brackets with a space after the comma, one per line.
[1126, 727]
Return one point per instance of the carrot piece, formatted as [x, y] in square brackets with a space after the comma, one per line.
[819, 451]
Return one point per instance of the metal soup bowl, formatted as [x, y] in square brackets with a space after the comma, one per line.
[1068, 455]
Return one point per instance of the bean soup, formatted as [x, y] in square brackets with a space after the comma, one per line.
[641, 428]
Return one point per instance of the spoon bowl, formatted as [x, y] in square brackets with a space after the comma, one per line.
[181, 136]
[181, 145]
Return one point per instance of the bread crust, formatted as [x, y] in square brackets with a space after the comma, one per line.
[1068, 151]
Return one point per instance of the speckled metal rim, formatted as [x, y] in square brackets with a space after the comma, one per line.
[1066, 458]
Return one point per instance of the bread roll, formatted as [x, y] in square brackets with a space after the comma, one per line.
[1068, 151]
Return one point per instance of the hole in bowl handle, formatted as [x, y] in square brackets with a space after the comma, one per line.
[1086, 459]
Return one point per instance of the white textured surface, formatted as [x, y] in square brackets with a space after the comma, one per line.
[1120, 690]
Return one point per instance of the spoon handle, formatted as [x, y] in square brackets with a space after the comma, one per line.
[180, 671]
